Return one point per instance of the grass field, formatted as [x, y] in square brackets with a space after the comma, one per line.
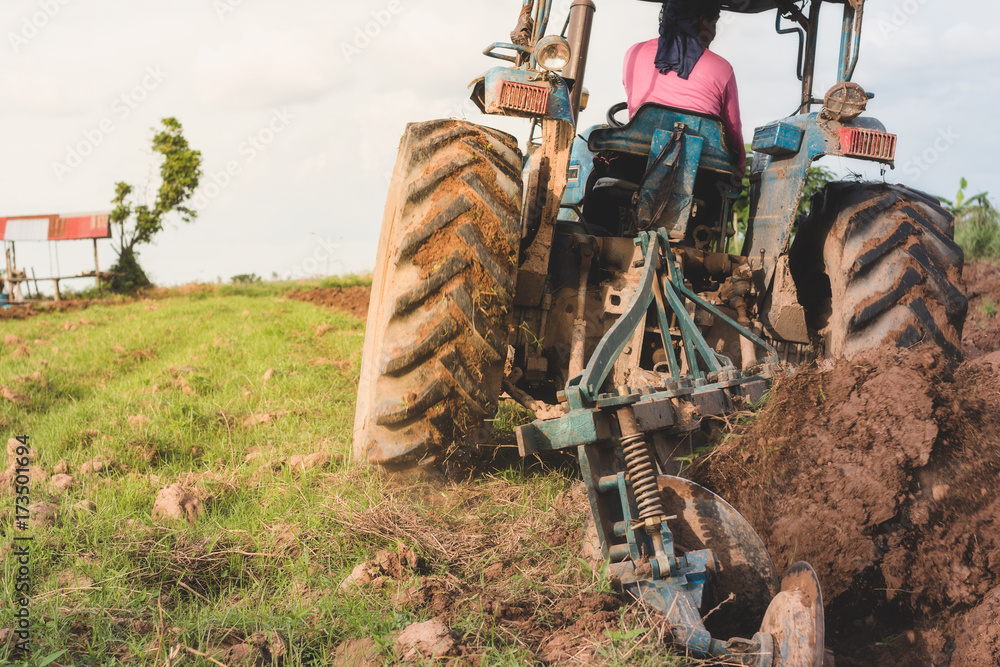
[245, 400]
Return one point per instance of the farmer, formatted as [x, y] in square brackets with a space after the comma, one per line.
[678, 70]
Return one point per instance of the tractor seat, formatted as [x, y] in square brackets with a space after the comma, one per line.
[616, 186]
[636, 136]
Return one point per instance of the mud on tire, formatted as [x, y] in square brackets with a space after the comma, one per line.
[442, 292]
[876, 264]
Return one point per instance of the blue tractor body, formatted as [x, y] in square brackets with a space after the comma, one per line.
[664, 183]
[637, 322]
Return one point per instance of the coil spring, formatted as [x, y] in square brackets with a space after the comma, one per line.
[642, 474]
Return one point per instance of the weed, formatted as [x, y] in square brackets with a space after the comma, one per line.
[977, 224]
[510, 415]
[988, 308]
[349, 280]
[245, 279]
[539, 343]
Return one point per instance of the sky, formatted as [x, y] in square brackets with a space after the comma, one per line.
[298, 107]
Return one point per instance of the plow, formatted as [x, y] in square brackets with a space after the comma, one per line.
[596, 278]
[645, 519]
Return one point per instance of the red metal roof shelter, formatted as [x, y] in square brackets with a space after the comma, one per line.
[75, 227]
[55, 227]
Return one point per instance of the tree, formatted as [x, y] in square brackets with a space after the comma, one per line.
[137, 223]
[977, 223]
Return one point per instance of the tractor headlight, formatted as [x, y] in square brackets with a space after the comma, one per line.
[845, 102]
[552, 53]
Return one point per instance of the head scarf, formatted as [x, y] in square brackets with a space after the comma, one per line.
[680, 35]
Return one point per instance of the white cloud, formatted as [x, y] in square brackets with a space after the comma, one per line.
[265, 68]
[966, 40]
[36, 93]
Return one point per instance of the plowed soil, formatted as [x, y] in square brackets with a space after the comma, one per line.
[882, 473]
[982, 328]
[353, 300]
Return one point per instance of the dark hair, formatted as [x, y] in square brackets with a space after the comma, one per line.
[709, 8]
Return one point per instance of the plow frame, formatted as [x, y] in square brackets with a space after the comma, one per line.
[641, 551]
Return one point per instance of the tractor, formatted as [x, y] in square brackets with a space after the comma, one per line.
[596, 279]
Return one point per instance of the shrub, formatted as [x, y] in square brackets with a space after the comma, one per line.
[977, 224]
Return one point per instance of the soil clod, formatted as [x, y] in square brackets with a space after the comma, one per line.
[431, 639]
[174, 503]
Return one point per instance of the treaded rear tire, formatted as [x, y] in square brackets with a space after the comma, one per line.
[442, 293]
[876, 264]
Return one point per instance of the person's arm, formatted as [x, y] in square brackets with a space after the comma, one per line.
[734, 125]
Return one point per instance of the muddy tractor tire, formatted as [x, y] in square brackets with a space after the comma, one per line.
[877, 265]
[442, 294]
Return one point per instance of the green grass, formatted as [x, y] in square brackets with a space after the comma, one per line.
[168, 389]
[163, 388]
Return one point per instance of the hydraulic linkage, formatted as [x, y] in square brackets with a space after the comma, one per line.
[671, 543]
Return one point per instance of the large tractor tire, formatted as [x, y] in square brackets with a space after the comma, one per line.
[876, 265]
[442, 293]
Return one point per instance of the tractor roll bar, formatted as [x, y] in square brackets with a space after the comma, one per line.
[809, 71]
[581, 20]
[850, 44]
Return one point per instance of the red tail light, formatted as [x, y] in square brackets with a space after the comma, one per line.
[523, 98]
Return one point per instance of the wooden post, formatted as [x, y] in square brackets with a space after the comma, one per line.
[55, 282]
[97, 269]
[16, 293]
[10, 272]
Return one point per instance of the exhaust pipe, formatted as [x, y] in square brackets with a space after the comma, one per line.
[581, 20]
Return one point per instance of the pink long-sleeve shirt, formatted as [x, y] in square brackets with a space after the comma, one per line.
[710, 89]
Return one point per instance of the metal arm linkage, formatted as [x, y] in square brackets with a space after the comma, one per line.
[612, 433]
